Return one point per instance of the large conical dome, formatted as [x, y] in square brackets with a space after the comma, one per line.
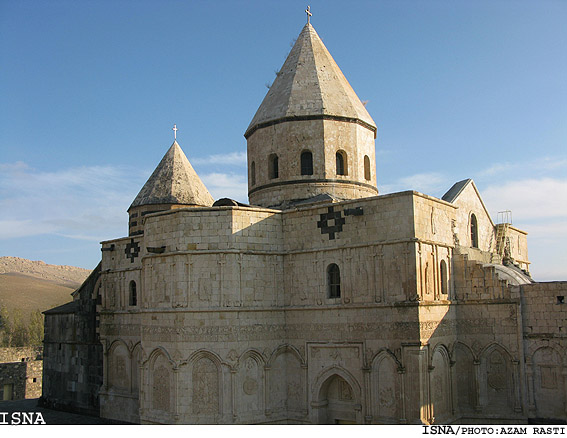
[310, 83]
[311, 137]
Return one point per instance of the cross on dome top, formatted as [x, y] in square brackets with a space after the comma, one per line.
[174, 129]
[308, 12]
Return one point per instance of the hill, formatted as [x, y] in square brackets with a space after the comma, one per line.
[34, 285]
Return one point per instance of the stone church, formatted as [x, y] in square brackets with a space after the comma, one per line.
[321, 301]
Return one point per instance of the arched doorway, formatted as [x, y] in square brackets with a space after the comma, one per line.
[338, 402]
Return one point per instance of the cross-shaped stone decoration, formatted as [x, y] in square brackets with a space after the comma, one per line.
[331, 215]
[308, 12]
[174, 129]
[132, 250]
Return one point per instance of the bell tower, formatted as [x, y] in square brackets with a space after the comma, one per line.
[311, 135]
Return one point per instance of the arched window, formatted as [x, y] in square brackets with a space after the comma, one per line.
[273, 170]
[306, 163]
[341, 163]
[444, 285]
[133, 300]
[253, 173]
[334, 281]
[474, 231]
[366, 168]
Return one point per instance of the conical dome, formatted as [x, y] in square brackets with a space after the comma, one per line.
[310, 83]
[174, 181]
[311, 136]
[173, 184]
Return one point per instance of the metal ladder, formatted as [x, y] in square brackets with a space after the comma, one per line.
[504, 221]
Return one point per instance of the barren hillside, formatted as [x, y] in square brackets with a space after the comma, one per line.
[27, 285]
[60, 274]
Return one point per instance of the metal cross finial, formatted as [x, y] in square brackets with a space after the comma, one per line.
[308, 12]
[174, 129]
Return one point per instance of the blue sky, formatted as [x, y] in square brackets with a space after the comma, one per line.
[90, 90]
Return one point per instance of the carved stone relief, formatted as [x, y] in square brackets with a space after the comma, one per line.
[205, 387]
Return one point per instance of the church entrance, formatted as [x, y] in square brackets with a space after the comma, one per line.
[337, 402]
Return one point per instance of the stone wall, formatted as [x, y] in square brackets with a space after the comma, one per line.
[72, 372]
[20, 372]
[544, 309]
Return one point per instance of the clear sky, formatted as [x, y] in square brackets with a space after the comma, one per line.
[89, 92]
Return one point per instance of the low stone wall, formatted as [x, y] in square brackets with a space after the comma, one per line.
[20, 372]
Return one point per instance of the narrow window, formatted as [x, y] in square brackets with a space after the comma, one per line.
[342, 163]
[444, 277]
[474, 231]
[306, 163]
[334, 281]
[253, 173]
[273, 170]
[366, 168]
[133, 295]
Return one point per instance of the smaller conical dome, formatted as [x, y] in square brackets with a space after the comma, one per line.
[174, 181]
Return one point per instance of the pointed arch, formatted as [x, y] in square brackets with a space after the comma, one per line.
[285, 348]
[156, 352]
[203, 352]
[336, 396]
[253, 353]
[325, 374]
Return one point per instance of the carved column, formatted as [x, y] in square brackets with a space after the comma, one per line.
[379, 275]
[349, 273]
[305, 389]
[366, 370]
[276, 287]
[516, 386]
[477, 380]
[233, 393]
[239, 262]
[267, 410]
[402, 373]
[142, 389]
[531, 394]
[174, 393]
[404, 271]
[105, 365]
[221, 261]
[419, 270]
[452, 386]
[429, 409]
